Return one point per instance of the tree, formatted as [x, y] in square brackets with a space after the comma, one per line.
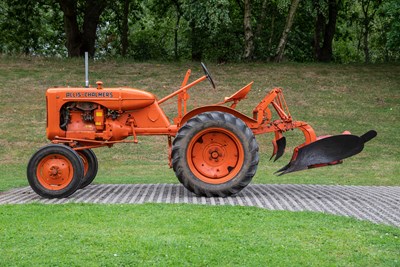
[325, 27]
[261, 20]
[369, 9]
[217, 30]
[208, 21]
[79, 41]
[161, 8]
[125, 29]
[289, 21]
[389, 30]
[178, 8]
[30, 27]
[115, 28]
[17, 16]
[248, 32]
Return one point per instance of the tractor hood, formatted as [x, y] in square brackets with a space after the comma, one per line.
[121, 99]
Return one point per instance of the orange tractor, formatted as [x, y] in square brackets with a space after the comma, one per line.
[214, 151]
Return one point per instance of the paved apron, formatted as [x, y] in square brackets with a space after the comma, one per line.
[378, 204]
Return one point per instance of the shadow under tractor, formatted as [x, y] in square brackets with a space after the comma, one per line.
[213, 152]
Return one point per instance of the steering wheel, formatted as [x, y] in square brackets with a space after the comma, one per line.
[207, 74]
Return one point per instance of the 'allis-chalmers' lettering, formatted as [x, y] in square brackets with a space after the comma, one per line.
[89, 94]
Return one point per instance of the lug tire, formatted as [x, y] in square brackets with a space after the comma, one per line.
[90, 166]
[55, 171]
[215, 154]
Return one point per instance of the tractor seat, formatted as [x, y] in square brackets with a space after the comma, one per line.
[239, 95]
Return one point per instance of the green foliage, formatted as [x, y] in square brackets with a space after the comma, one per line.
[208, 15]
[384, 33]
[210, 32]
[211, 29]
[31, 27]
[346, 51]
[299, 46]
[389, 29]
[347, 43]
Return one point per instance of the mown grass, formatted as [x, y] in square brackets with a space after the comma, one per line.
[182, 235]
[332, 98]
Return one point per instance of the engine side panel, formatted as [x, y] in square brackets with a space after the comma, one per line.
[103, 114]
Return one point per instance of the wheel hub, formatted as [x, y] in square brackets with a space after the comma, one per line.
[215, 155]
[54, 172]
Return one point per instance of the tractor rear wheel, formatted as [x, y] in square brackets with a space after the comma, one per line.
[90, 166]
[215, 154]
[55, 171]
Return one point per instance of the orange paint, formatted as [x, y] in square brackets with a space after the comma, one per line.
[114, 114]
[85, 118]
[215, 155]
[54, 172]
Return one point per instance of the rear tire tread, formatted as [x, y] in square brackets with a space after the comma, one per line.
[206, 120]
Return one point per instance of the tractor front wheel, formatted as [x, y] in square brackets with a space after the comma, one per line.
[55, 171]
[215, 154]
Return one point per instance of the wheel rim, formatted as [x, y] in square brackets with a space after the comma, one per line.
[55, 172]
[215, 155]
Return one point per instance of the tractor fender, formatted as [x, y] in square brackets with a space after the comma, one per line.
[251, 123]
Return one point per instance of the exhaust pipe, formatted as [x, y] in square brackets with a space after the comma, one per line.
[86, 69]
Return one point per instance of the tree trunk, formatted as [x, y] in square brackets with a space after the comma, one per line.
[74, 36]
[365, 6]
[79, 42]
[176, 52]
[271, 36]
[93, 10]
[248, 32]
[197, 50]
[365, 39]
[263, 16]
[178, 18]
[326, 52]
[125, 29]
[319, 28]
[366, 21]
[289, 22]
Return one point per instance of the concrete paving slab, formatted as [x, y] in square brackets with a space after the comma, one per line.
[378, 204]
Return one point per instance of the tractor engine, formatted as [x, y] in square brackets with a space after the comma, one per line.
[101, 114]
[87, 120]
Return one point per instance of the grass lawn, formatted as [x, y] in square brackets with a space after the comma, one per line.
[182, 235]
[332, 98]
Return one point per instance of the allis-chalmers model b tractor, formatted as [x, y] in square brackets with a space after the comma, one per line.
[213, 153]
